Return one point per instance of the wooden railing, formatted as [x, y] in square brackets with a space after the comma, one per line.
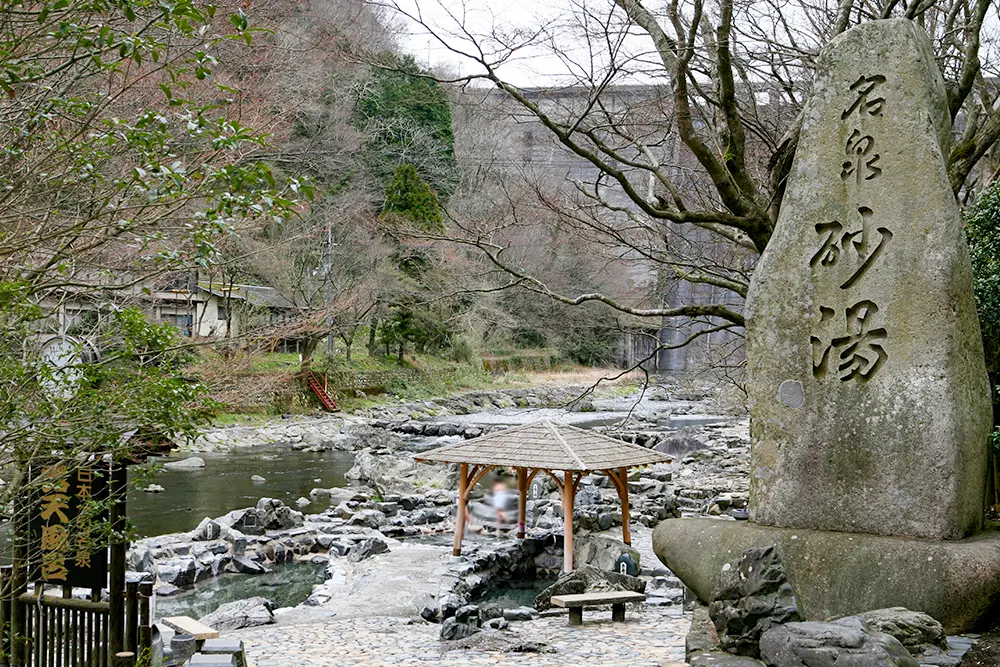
[62, 631]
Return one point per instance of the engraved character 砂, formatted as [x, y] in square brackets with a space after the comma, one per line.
[859, 354]
[837, 240]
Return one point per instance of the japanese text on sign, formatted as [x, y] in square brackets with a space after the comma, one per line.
[851, 346]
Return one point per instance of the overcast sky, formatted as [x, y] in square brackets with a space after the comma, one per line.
[514, 18]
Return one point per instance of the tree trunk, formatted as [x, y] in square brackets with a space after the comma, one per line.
[372, 332]
[308, 349]
[402, 348]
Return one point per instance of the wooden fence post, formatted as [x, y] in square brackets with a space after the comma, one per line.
[19, 582]
[6, 575]
[116, 584]
[132, 616]
[145, 617]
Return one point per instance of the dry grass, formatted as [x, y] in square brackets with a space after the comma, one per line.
[579, 376]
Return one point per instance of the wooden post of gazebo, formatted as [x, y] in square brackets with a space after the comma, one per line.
[463, 486]
[568, 521]
[623, 496]
[522, 501]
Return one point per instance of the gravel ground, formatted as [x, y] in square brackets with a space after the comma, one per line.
[649, 637]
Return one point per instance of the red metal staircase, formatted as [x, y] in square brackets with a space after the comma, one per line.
[317, 387]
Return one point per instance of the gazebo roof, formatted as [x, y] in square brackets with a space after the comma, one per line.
[546, 446]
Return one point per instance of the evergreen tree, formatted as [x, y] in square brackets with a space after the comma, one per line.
[406, 118]
[409, 196]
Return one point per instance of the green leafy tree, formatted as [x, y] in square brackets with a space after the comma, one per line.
[406, 119]
[983, 234]
[121, 159]
[410, 197]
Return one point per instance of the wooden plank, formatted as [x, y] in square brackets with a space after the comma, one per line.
[189, 626]
[593, 599]
[63, 603]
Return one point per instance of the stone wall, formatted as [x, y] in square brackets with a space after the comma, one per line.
[374, 381]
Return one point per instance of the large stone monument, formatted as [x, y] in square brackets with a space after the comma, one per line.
[869, 400]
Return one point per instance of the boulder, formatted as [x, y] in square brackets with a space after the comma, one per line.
[492, 642]
[753, 596]
[679, 446]
[602, 552]
[366, 549]
[866, 380]
[588, 579]
[140, 559]
[276, 515]
[451, 629]
[519, 614]
[321, 495]
[847, 641]
[244, 565]
[206, 530]
[178, 572]
[499, 623]
[914, 629]
[662, 586]
[843, 574]
[587, 495]
[248, 613]
[247, 521]
[398, 474]
[186, 464]
[257, 479]
[368, 518]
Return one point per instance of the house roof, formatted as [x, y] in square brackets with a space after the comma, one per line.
[254, 295]
[546, 446]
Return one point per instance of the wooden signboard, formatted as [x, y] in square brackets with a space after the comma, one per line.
[68, 502]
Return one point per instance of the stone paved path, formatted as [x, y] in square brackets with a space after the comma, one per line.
[650, 637]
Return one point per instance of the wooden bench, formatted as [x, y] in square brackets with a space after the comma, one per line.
[576, 603]
[189, 626]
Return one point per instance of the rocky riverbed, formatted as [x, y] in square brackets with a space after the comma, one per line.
[384, 539]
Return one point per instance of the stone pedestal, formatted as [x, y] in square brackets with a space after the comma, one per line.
[838, 574]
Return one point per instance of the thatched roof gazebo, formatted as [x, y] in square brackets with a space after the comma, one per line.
[544, 447]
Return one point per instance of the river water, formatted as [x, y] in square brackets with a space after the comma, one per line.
[224, 484]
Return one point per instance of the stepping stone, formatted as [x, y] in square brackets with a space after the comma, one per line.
[226, 646]
[209, 660]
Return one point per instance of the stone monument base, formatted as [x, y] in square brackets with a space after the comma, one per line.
[839, 574]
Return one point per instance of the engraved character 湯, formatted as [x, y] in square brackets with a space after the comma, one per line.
[859, 354]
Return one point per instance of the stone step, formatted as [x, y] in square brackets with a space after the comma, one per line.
[212, 660]
[223, 647]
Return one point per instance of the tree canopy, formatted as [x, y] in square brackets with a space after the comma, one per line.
[687, 116]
